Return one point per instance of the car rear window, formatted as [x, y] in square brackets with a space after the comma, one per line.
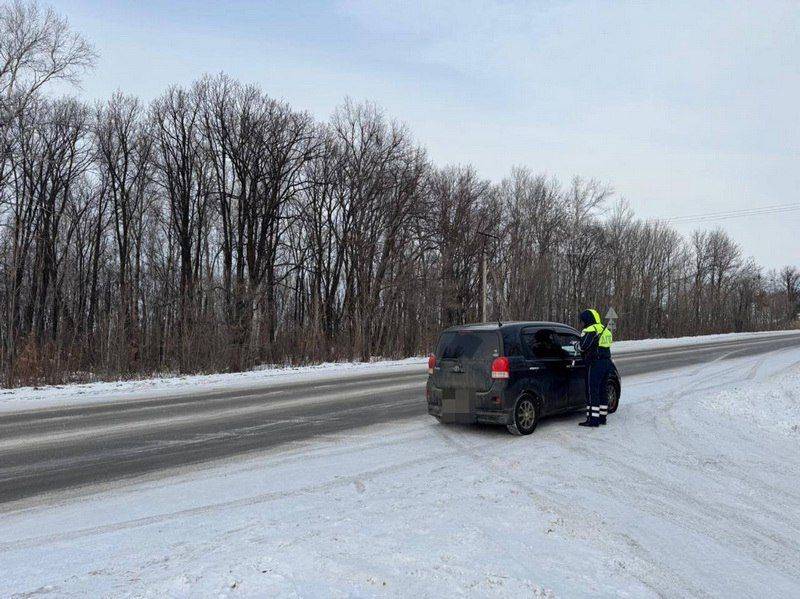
[468, 345]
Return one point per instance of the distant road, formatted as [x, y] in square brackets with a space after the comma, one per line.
[48, 450]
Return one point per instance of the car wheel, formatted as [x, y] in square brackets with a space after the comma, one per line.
[612, 396]
[525, 416]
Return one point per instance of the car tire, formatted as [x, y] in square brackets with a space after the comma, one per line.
[612, 395]
[525, 416]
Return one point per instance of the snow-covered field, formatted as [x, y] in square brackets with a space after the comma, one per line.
[691, 490]
[78, 394]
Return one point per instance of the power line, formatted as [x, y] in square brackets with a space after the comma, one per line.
[703, 214]
[729, 214]
[736, 213]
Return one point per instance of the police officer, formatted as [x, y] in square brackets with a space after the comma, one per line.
[596, 349]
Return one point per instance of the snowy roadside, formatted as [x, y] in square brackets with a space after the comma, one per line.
[689, 491]
[622, 347]
[23, 398]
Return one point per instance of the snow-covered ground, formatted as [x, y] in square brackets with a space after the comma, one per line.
[691, 490]
[22, 398]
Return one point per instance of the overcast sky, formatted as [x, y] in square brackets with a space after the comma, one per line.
[684, 107]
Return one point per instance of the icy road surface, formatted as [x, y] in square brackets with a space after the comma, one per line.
[691, 490]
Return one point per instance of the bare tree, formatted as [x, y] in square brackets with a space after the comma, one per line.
[182, 172]
[790, 277]
[37, 47]
[123, 161]
[585, 240]
[458, 209]
[532, 222]
[382, 177]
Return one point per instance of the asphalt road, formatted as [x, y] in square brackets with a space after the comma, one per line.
[49, 450]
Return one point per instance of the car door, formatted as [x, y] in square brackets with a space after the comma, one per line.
[547, 371]
[576, 368]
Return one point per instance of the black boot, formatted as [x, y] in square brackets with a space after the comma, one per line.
[592, 416]
[602, 420]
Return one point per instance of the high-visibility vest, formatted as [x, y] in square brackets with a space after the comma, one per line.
[606, 339]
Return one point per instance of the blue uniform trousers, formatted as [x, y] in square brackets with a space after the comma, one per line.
[596, 401]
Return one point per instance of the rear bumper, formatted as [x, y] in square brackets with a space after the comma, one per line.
[451, 416]
[468, 407]
[469, 417]
[493, 417]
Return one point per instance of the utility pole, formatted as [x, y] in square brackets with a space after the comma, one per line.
[483, 283]
[484, 234]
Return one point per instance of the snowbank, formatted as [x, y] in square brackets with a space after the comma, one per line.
[62, 395]
[773, 405]
[637, 345]
[691, 490]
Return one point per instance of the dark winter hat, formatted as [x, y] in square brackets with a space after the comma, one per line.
[589, 317]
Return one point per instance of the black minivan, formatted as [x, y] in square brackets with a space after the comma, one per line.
[509, 373]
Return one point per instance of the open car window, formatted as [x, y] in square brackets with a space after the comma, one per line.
[567, 343]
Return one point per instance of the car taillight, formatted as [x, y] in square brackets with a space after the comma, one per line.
[500, 368]
[431, 363]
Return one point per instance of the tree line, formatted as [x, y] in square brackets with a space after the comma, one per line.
[217, 228]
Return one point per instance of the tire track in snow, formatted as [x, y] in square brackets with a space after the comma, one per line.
[543, 496]
[232, 504]
[746, 532]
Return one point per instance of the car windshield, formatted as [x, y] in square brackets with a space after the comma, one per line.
[468, 345]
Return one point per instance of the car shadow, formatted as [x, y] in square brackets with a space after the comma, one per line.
[499, 431]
